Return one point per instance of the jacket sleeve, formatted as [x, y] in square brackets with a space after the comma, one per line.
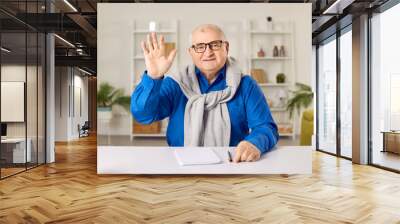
[264, 132]
[153, 99]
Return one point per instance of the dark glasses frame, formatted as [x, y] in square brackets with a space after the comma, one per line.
[209, 44]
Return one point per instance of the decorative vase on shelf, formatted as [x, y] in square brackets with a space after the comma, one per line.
[259, 75]
[280, 78]
[282, 96]
[270, 103]
[270, 26]
[282, 52]
[261, 53]
[275, 52]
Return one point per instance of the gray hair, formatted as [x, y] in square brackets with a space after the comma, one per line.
[203, 28]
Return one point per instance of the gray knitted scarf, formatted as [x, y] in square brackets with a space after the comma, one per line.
[207, 121]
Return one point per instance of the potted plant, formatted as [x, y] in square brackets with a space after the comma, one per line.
[108, 96]
[280, 78]
[302, 97]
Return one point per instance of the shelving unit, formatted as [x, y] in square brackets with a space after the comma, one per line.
[169, 29]
[277, 109]
[259, 37]
[269, 32]
[271, 58]
[274, 84]
[149, 135]
[144, 31]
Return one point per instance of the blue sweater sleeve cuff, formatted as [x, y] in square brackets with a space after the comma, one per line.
[261, 147]
[149, 82]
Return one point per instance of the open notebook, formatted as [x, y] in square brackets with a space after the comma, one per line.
[196, 156]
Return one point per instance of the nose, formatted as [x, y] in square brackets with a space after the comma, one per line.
[208, 50]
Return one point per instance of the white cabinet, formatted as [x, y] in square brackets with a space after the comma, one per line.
[17, 147]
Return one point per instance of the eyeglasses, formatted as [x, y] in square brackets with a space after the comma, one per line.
[213, 45]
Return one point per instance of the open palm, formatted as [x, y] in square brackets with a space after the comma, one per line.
[156, 60]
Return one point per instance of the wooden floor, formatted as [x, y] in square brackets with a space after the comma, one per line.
[70, 191]
[5, 172]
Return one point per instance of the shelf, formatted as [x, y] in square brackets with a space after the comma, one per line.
[271, 58]
[273, 84]
[157, 31]
[270, 32]
[277, 109]
[149, 135]
[285, 134]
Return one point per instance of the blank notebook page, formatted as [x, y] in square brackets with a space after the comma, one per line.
[196, 156]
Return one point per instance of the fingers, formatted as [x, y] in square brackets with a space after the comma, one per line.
[161, 43]
[144, 48]
[171, 55]
[248, 156]
[149, 43]
[251, 158]
[244, 155]
[238, 154]
[245, 152]
[152, 43]
[154, 40]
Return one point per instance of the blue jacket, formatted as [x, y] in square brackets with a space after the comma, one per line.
[156, 99]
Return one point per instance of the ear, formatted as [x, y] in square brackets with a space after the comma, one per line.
[189, 52]
[227, 47]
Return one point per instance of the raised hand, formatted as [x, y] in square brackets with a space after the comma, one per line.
[157, 62]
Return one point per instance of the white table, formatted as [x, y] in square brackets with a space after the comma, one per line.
[161, 160]
[19, 155]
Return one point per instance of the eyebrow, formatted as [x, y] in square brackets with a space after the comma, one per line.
[207, 42]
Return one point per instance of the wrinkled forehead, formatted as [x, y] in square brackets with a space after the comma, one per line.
[206, 35]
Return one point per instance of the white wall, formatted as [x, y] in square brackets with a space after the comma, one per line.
[115, 37]
[79, 117]
[67, 115]
[61, 103]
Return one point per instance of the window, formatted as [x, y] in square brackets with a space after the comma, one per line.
[346, 93]
[22, 75]
[385, 88]
[327, 96]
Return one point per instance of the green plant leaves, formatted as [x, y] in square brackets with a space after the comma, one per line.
[302, 97]
[107, 96]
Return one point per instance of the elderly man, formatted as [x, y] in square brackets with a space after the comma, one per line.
[210, 103]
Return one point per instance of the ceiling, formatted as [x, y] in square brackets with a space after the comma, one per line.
[77, 22]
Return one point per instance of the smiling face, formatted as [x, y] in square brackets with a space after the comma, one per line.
[210, 61]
